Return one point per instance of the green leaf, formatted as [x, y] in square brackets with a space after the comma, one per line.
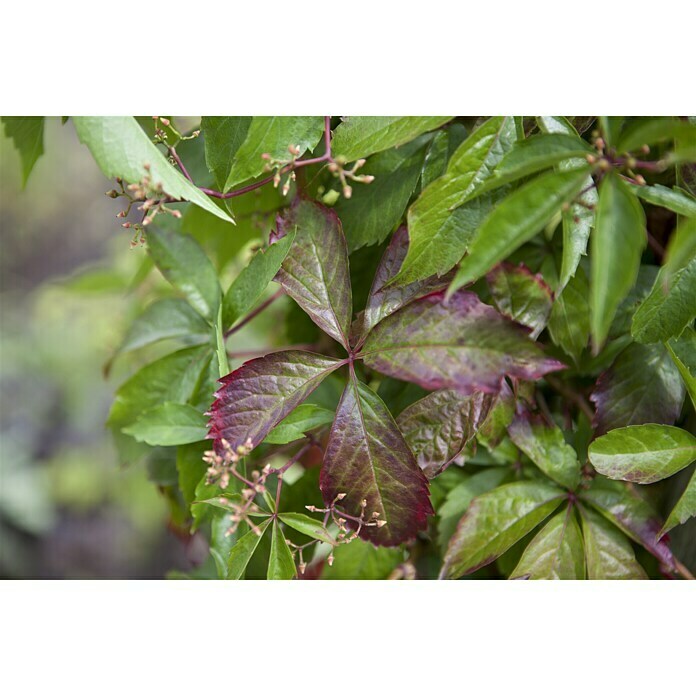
[360, 560]
[555, 553]
[121, 148]
[169, 424]
[307, 526]
[684, 509]
[375, 209]
[608, 552]
[641, 386]
[281, 565]
[569, 321]
[272, 135]
[643, 453]
[303, 419]
[315, 273]
[460, 497]
[579, 220]
[628, 510]
[223, 137]
[681, 249]
[249, 285]
[171, 378]
[517, 219]
[184, 264]
[221, 348]
[495, 521]
[191, 468]
[617, 244]
[650, 131]
[683, 353]
[440, 225]
[521, 295]
[536, 154]
[27, 135]
[163, 319]
[360, 136]
[666, 311]
[611, 128]
[545, 445]
[243, 550]
[671, 198]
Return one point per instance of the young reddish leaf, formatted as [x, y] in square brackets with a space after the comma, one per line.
[367, 459]
[607, 550]
[555, 553]
[384, 301]
[545, 445]
[521, 295]
[438, 426]
[315, 271]
[456, 344]
[257, 396]
[495, 521]
[624, 507]
[641, 386]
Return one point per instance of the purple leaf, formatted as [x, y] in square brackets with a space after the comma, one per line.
[624, 506]
[315, 271]
[367, 459]
[438, 426]
[521, 296]
[642, 386]
[257, 396]
[384, 301]
[458, 344]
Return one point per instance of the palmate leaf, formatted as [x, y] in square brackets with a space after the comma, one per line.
[680, 202]
[521, 296]
[223, 137]
[121, 148]
[439, 226]
[555, 553]
[368, 459]
[385, 299]
[625, 508]
[641, 386]
[303, 419]
[545, 445]
[650, 131]
[569, 321]
[643, 453]
[681, 249]
[457, 344]
[683, 353]
[517, 219]
[360, 136]
[608, 552]
[257, 396]
[243, 550]
[439, 426]
[315, 272]
[169, 424]
[360, 560]
[272, 135]
[495, 521]
[281, 565]
[616, 247]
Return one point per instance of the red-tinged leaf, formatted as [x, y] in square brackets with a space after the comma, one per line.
[641, 386]
[521, 295]
[495, 521]
[384, 301]
[631, 513]
[545, 445]
[368, 459]
[438, 426]
[458, 344]
[257, 396]
[315, 271]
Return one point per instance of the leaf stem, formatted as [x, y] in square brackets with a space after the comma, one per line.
[683, 570]
[255, 312]
[565, 390]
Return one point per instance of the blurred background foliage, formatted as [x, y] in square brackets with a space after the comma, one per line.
[69, 286]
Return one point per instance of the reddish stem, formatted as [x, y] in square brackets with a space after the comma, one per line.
[255, 313]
